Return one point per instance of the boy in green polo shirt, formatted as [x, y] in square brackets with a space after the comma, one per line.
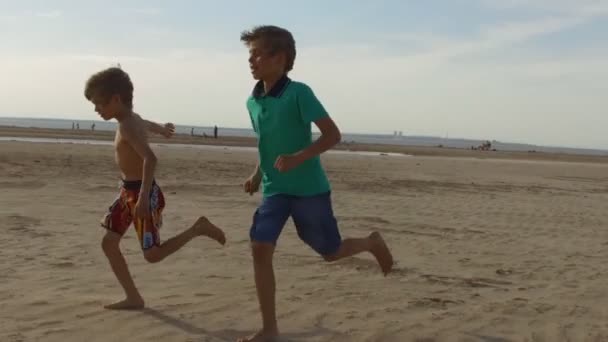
[289, 169]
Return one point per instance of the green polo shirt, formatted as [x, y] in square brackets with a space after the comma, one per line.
[282, 121]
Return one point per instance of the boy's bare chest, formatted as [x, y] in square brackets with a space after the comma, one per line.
[123, 149]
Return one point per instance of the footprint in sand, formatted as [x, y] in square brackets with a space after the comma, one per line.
[434, 302]
[47, 323]
[202, 294]
[39, 303]
[63, 264]
[367, 219]
[18, 223]
[471, 282]
[22, 220]
[504, 272]
[23, 185]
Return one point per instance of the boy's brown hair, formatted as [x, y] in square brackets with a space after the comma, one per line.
[109, 82]
[275, 39]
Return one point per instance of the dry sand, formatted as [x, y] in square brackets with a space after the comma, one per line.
[486, 249]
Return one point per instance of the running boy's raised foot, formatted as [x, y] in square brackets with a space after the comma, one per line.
[204, 227]
[381, 252]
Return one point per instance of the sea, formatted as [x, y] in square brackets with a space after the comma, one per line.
[397, 138]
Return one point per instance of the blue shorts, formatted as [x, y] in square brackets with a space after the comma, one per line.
[313, 217]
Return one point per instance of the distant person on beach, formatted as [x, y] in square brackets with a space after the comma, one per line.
[215, 132]
[93, 127]
[77, 125]
[294, 183]
[140, 200]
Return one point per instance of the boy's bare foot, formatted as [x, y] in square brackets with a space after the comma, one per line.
[261, 336]
[203, 226]
[381, 252]
[127, 304]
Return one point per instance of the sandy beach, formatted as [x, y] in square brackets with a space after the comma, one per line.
[490, 247]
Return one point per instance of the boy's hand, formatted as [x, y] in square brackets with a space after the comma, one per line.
[142, 208]
[252, 184]
[287, 162]
[168, 130]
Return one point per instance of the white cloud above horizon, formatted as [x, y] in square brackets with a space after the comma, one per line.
[503, 80]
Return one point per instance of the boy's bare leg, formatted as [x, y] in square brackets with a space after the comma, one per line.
[110, 246]
[117, 261]
[265, 285]
[374, 244]
[202, 226]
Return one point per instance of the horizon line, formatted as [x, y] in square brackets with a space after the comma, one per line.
[386, 135]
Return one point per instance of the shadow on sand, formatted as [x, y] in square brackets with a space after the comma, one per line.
[229, 334]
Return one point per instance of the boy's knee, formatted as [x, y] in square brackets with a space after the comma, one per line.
[109, 243]
[331, 251]
[331, 257]
[152, 255]
[262, 251]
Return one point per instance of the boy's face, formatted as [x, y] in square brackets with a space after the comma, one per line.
[107, 108]
[262, 63]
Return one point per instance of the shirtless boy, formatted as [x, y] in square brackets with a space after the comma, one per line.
[141, 200]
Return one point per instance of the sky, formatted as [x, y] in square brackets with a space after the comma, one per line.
[529, 71]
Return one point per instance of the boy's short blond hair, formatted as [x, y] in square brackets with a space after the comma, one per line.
[275, 39]
[109, 82]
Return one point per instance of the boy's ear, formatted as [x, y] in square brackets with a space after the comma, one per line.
[280, 57]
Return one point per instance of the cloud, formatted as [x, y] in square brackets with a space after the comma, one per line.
[19, 17]
[147, 11]
[375, 92]
[48, 14]
[431, 49]
[103, 58]
[489, 84]
[596, 9]
[576, 7]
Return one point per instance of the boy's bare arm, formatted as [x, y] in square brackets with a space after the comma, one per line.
[257, 173]
[167, 130]
[133, 132]
[330, 136]
[252, 183]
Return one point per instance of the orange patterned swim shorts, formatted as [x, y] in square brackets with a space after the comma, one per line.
[120, 214]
